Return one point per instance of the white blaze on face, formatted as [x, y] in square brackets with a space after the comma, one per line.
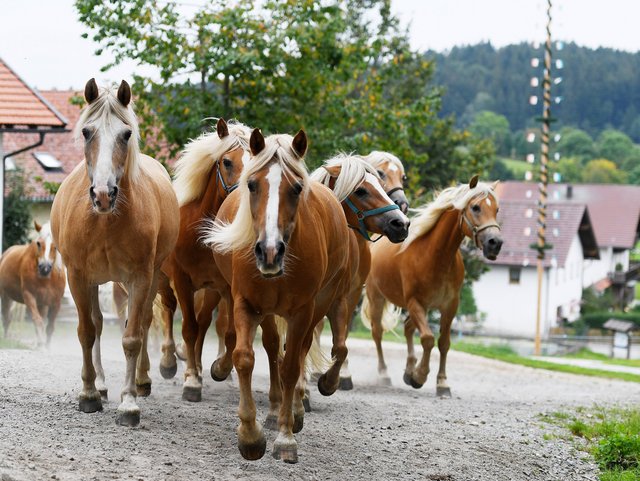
[274, 178]
[48, 241]
[371, 179]
[245, 158]
[488, 202]
[392, 167]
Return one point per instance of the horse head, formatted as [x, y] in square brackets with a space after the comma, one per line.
[275, 188]
[44, 250]
[110, 131]
[479, 222]
[391, 172]
[230, 165]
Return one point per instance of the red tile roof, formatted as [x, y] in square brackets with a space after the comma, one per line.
[614, 209]
[22, 106]
[520, 229]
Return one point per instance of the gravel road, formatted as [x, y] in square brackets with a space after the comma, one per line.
[489, 430]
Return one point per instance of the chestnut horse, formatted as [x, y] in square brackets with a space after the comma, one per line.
[115, 218]
[285, 252]
[391, 171]
[426, 271]
[205, 174]
[367, 208]
[33, 275]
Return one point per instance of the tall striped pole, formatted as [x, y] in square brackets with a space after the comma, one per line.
[544, 179]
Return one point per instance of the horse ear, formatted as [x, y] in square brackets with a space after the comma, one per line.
[222, 128]
[474, 181]
[299, 144]
[124, 93]
[256, 142]
[37, 226]
[91, 91]
[334, 171]
[495, 184]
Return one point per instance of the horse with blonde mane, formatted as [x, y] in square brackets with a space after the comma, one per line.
[206, 173]
[391, 171]
[114, 218]
[280, 243]
[33, 275]
[367, 208]
[426, 271]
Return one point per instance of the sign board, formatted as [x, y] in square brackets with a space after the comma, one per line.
[621, 340]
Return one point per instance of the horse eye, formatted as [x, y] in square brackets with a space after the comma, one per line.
[86, 133]
[404, 178]
[126, 135]
[476, 209]
[381, 174]
[227, 163]
[297, 188]
[252, 186]
[361, 192]
[38, 244]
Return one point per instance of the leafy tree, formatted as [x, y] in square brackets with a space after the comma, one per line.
[493, 126]
[17, 218]
[343, 70]
[569, 168]
[576, 143]
[615, 146]
[603, 171]
[500, 171]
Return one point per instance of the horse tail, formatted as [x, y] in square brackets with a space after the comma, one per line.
[316, 360]
[119, 309]
[390, 315]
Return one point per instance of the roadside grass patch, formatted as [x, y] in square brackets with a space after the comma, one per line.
[585, 353]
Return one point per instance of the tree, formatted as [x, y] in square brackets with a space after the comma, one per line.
[17, 218]
[615, 146]
[569, 168]
[343, 70]
[576, 143]
[603, 171]
[493, 126]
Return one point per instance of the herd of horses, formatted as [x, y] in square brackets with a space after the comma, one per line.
[244, 228]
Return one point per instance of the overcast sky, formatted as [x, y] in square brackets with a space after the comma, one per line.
[40, 39]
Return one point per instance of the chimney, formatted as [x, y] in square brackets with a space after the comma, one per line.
[569, 191]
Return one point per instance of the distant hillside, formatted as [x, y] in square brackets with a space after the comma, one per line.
[600, 88]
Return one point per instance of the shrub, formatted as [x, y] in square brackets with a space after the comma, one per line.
[618, 451]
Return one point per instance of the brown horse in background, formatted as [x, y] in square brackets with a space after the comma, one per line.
[426, 271]
[114, 218]
[391, 172]
[284, 253]
[205, 174]
[33, 275]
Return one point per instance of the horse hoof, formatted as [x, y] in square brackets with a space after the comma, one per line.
[298, 423]
[90, 404]
[214, 376]
[307, 404]
[128, 418]
[443, 391]
[168, 372]
[103, 395]
[192, 394]
[384, 381]
[271, 423]
[323, 388]
[346, 384]
[409, 381]
[143, 390]
[286, 452]
[253, 451]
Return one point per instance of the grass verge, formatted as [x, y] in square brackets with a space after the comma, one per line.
[585, 353]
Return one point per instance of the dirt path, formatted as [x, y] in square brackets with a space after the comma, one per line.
[488, 431]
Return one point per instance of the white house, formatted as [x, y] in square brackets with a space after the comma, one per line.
[592, 228]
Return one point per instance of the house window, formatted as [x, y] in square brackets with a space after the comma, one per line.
[48, 161]
[9, 164]
[514, 275]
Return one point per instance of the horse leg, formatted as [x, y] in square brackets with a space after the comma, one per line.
[285, 446]
[89, 398]
[192, 387]
[301, 401]
[143, 381]
[221, 367]
[346, 384]
[271, 343]
[168, 362]
[6, 313]
[222, 325]
[376, 306]
[419, 316]
[251, 441]
[140, 291]
[315, 375]
[339, 317]
[409, 329]
[210, 300]
[32, 305]
[51, 319]
[444, 341]
[96, 319]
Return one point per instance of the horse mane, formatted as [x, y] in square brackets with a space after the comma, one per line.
[238, 234]
[198, 157]
[450, 198]
[100, 112]
[353, 170]
[377, 158]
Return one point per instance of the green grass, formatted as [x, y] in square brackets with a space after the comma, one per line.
[610, 435]
[517, 167]
[502, 352]
[585, 353]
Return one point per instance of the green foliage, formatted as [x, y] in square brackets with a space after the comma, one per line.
[603, 171]
[51, 187]
[619, 451]
[501, 171]
[569, 168]
[489, 125]
[467, 301]
[595, 320]
[17, 218]
[342, 70]
[593, 302]
[576, 143]
[615, 146]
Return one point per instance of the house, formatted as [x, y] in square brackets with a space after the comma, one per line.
[26, 120]
[592, 229]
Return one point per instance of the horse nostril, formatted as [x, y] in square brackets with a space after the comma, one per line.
[399, 224]
[114, 192]
[92, 193]
[281, 248]
[258, 251]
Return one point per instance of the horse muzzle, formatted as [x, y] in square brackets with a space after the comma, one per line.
[44, 269]
[103, 198]
[270, 258]
[400, 200]
[491, 245]
[396, 229]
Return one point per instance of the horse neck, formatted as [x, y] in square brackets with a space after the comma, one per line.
[213, 195]
[446, 235]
